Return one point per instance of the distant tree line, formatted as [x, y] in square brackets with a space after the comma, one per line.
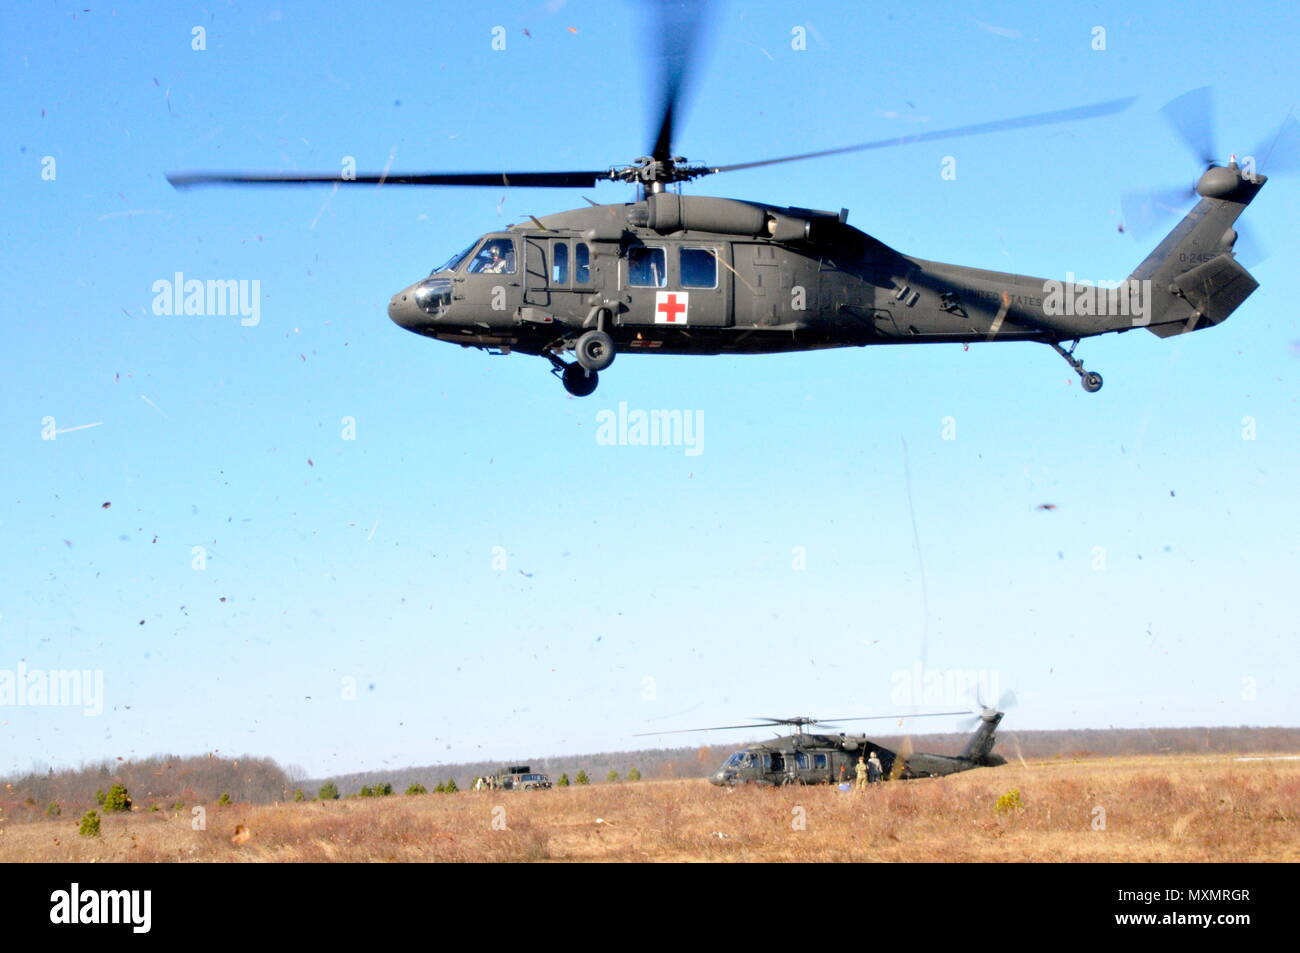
[163, 781]
[171, 782]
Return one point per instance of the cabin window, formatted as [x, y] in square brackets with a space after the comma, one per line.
[581, 264]
[646, 267]
[496, 257]
[560, 263]
[699, 268]
[819, 761]
[800, 760]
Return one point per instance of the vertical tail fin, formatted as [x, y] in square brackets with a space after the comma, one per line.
[981, 743]
[1194, 280]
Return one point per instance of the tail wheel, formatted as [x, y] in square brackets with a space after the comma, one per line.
[579, 381]
[595, 350]
[1092, 382]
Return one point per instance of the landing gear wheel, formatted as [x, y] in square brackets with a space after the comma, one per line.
[579, 381]
[1091, 380]
[595, 350]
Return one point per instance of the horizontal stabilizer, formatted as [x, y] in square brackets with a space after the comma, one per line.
[1213, 289]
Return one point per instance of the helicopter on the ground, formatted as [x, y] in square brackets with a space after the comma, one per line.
[685, 274]
[808, 758]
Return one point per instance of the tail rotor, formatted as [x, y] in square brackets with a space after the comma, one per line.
[1191, 117]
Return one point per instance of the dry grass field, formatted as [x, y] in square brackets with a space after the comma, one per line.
[1202, 808]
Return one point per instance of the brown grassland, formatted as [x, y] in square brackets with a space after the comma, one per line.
[1195, 808]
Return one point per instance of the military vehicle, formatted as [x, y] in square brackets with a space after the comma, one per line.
[520, 777]
[810, 758]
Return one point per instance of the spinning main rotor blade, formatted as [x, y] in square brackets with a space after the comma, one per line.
[677, 31]
[1020, 122]
[537, 180]
[686, 731]
[920, 714]
[770, 722]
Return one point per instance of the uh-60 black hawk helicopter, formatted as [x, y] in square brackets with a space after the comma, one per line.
[810, 758]
[685, 274]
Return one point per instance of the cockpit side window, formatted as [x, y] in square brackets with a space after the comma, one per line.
[452, 262]
[496, 257]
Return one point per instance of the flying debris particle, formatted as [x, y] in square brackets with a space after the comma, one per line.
[527, 34]
[310, 462]
[104, 506]
[223, 599]
[1047, 506]
[68, 543]
[154, 406]
[397, 102]
[303, 356]
[526, 574]
[142, 621]
[572, 29]
[1171, 492]
[1003, 31]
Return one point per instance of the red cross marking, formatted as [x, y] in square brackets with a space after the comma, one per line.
[670, 308]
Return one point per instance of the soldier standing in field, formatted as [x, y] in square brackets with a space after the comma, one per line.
[860, 784]
[874, 770]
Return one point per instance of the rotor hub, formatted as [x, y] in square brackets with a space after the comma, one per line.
[654, 173]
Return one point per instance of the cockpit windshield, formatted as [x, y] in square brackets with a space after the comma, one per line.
[736, 760]
[453, 261]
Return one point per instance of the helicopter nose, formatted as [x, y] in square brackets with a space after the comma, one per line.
[404, 312]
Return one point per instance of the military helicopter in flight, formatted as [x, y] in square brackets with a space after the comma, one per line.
[811, 758]
[688, 274]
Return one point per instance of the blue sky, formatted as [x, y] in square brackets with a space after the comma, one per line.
[642, 587]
